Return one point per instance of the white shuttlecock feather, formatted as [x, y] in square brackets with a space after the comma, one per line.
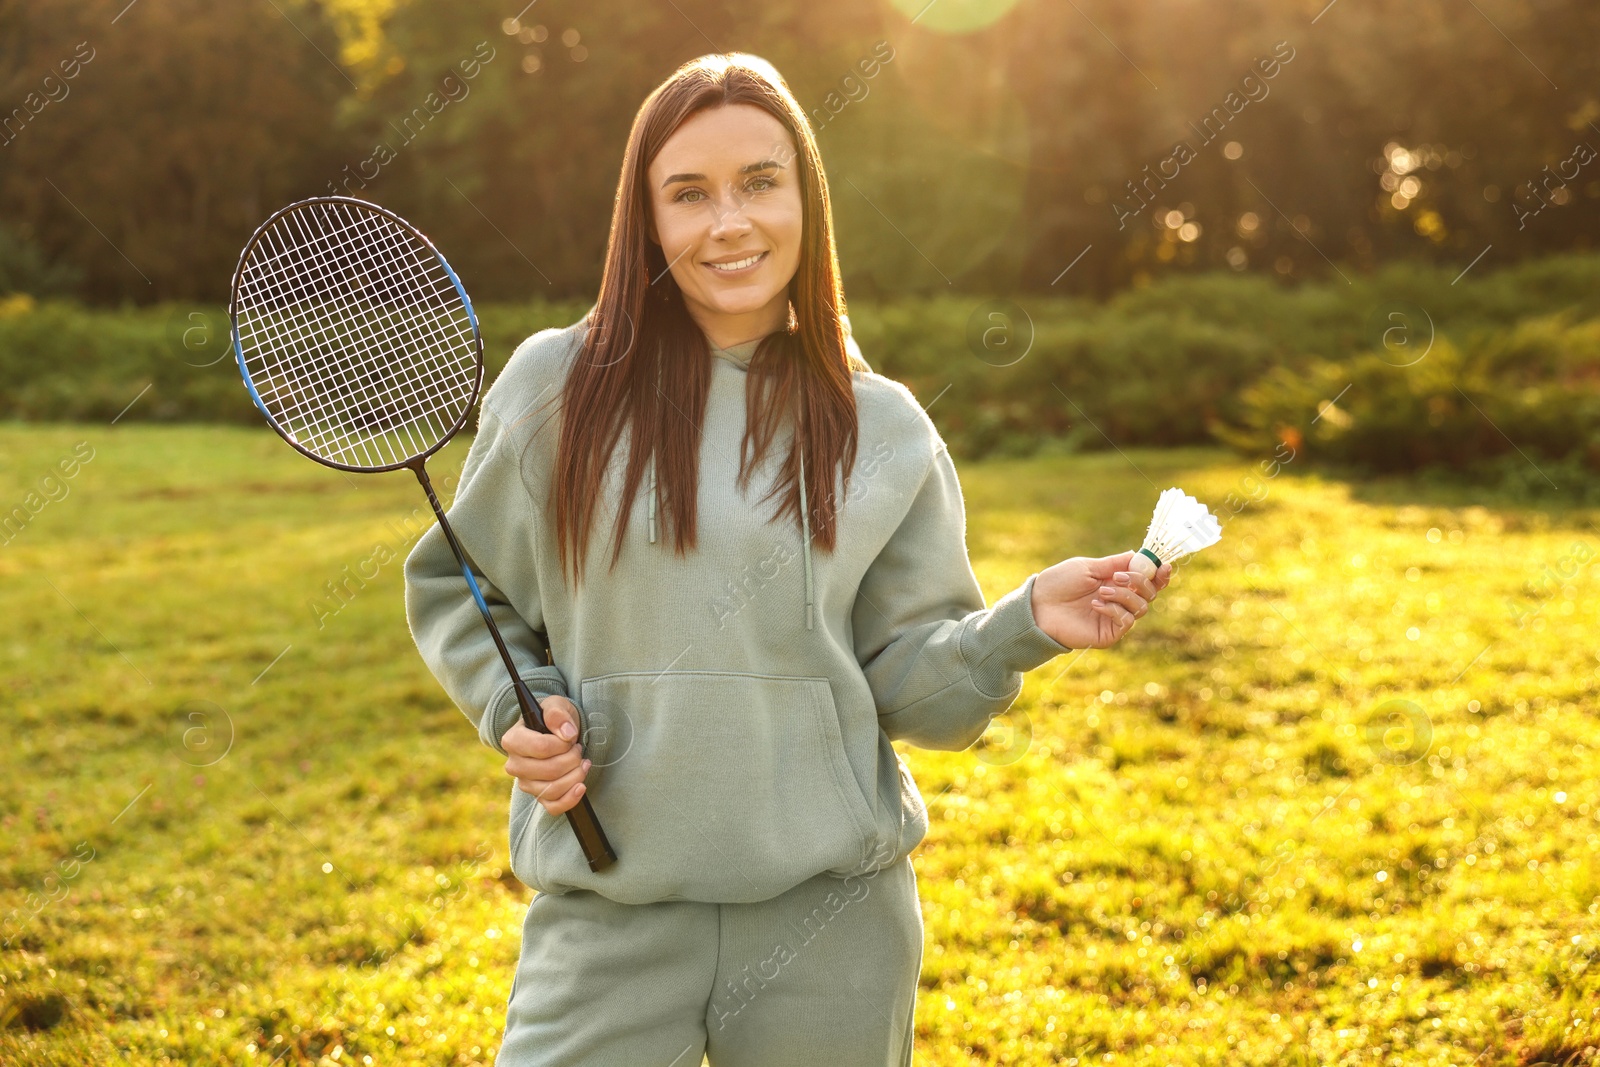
[1180, 526]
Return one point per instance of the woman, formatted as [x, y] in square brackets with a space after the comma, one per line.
[725, 686]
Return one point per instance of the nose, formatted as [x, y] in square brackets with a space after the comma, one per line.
[728, 217]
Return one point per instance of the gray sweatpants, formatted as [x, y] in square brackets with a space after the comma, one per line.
[825, 973]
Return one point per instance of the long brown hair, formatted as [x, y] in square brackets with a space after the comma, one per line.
[647, 364]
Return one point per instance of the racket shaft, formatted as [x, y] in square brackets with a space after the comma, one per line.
[581, 817]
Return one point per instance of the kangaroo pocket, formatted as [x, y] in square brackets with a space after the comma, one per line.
[711, 786]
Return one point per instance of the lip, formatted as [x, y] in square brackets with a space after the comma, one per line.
[741, 272]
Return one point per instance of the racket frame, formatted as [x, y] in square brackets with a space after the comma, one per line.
[238, 344]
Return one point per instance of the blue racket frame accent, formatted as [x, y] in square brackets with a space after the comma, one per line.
[477, 594]
[244, 371]
[460, 289]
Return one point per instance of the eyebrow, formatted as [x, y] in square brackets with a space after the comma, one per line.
[746, 169]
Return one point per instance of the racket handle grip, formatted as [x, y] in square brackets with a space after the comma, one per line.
[581, 817]
[596, 849]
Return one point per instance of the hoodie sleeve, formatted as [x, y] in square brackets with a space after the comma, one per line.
[493, 519]
[939, 663]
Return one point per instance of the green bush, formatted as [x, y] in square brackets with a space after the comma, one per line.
[59, 361]
[1520, 401]
[171, 362]
[1432, 369]
[1091, 376]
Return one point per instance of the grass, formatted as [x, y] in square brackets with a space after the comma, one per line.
[1332, 802]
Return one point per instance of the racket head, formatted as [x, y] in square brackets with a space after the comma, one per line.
[354, 337]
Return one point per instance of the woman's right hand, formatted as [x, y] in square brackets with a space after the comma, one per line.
[550, 766]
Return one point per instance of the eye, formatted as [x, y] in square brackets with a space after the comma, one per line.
[681, 198]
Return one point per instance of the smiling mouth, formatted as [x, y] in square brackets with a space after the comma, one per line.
[738, 266]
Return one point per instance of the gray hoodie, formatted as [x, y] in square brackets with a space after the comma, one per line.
[738, 703]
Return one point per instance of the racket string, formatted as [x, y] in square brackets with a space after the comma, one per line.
[298, 340]
[351, 377]
[294, 340]
[441, 385]
[356, 335]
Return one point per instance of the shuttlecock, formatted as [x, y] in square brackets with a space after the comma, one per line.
[1181, 525]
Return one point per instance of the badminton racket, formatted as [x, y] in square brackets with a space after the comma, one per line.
[358, 343]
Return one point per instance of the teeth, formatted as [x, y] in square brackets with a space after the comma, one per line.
[738, 264]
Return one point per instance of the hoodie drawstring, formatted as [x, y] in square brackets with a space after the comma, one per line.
[805, 521]
[652, 498]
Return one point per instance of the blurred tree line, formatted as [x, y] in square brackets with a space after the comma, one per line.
[972, 145]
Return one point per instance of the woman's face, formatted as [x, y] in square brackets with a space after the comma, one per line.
[724, 188]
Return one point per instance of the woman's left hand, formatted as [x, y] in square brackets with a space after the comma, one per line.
[1086, 602]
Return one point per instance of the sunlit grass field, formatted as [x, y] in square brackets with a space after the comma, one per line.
[1332, 802]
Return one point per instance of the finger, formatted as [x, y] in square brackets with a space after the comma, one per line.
[561, 716]
[565, 799]
[533, 744]
[546, 789]
[1105, 567]
[1135, 604]
[1135, 581]
[545, 769]
[1118, 614]
[1125, 619]
[1163, 575]
[568, 801]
